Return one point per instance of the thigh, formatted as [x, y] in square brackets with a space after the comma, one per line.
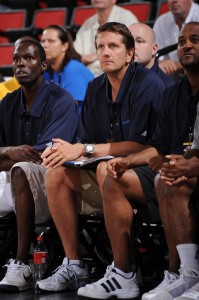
[35, 175]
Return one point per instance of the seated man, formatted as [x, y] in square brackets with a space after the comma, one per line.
[130, 180]
[146, 49]
[177, 187]
[29, 118]
[117, 119]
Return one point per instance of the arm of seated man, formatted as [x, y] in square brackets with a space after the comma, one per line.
[170, 67]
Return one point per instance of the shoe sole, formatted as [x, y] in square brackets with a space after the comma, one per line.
[12, 288]
[75, 285]
[119, 295]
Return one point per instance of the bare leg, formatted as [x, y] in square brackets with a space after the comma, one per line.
[25, 213]
[62, 184]
[178, 217]
[118, 212]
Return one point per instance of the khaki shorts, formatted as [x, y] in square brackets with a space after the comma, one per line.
[90, 200]
[36, 177]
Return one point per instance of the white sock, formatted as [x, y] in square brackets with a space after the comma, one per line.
[189, 255]
[125, 275]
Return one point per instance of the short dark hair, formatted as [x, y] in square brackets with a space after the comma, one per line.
[42, 53]
[118, 28]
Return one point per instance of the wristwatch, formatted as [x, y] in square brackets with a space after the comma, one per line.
[89, 149]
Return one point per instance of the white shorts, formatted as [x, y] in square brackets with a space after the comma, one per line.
[36, 177]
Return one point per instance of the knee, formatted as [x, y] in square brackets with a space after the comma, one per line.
[101, 174]
[18, 176]
[54, 176]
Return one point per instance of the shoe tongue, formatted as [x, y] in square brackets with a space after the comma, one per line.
[66, 261]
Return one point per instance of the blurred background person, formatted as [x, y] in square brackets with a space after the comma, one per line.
[167, 28]
[64, 63]
[146, 49]
[106, 11]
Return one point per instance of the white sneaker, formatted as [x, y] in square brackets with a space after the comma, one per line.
[188, 278]
[169, 278]
[70, 275]
[17, 278]
[191, 294]
[111, 285]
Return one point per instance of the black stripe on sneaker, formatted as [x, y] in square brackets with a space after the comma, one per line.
[116, 283]
[105, 287]
[111, 286]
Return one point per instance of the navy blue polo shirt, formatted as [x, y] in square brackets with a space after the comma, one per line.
[53, 114]
[130, 117]
[165, 78]
[175, 119]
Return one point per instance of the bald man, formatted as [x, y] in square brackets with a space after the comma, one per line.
[146, 49]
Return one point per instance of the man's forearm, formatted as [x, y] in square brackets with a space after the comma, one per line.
[117, 148]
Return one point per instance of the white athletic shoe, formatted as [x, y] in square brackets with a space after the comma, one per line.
[191, 294]
[69, 276]
[168, 279]
[111, 285]
[188, 278]
[17, 278]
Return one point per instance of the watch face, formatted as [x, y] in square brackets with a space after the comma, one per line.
[89, 148]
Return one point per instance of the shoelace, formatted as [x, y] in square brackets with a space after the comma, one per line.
[108, 271]
[13, 270]
[166, 281]
[65, 271]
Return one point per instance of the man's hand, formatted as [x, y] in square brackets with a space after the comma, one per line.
[117, 166]
[23, 153]
[179, 169]
[155, 163]
[168, 66]
[60, 152]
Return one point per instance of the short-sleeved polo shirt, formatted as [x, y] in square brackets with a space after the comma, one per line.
[53, 115]
[175, 121]
[133, 116]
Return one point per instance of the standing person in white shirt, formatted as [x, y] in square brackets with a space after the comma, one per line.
[167, 28]
[106, 11]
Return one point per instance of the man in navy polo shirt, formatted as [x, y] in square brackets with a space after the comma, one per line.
[130, 183]
[29, 118]
[117, 118]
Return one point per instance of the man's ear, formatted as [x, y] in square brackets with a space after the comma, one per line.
[44, 66]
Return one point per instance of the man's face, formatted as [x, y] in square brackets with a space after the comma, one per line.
[180, 7]
[188, 46]
[145, 46]
[103, 3]
[112, 53]
[27, 65]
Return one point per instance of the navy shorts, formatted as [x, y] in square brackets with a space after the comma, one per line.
[146, 177]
